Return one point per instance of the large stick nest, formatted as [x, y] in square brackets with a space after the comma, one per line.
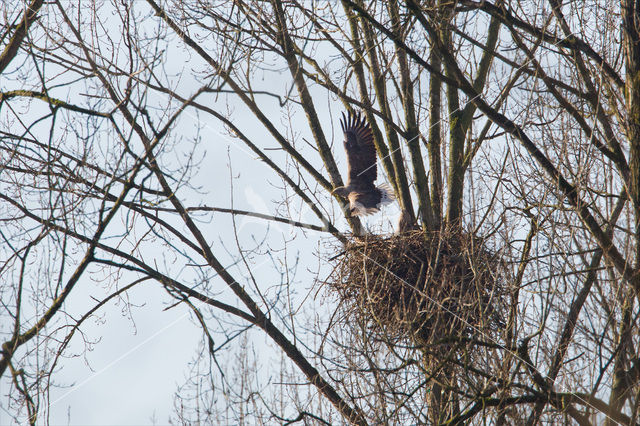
[431, 288]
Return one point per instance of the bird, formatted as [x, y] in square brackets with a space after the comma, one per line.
[364, 197]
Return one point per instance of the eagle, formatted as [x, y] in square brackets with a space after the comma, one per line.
[364, 197]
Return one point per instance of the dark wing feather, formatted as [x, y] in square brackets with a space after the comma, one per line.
[369, 199]
[361, 153]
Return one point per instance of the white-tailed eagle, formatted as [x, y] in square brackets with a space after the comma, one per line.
[364, 197]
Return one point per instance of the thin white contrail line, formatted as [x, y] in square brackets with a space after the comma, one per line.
[133, 349]
[251, 154]
[119, 358]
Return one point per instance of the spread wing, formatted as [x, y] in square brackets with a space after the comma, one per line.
[361, 153]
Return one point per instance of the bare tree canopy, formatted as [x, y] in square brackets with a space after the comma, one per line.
[186, 157]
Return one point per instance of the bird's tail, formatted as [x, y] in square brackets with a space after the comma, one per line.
[388, 196]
